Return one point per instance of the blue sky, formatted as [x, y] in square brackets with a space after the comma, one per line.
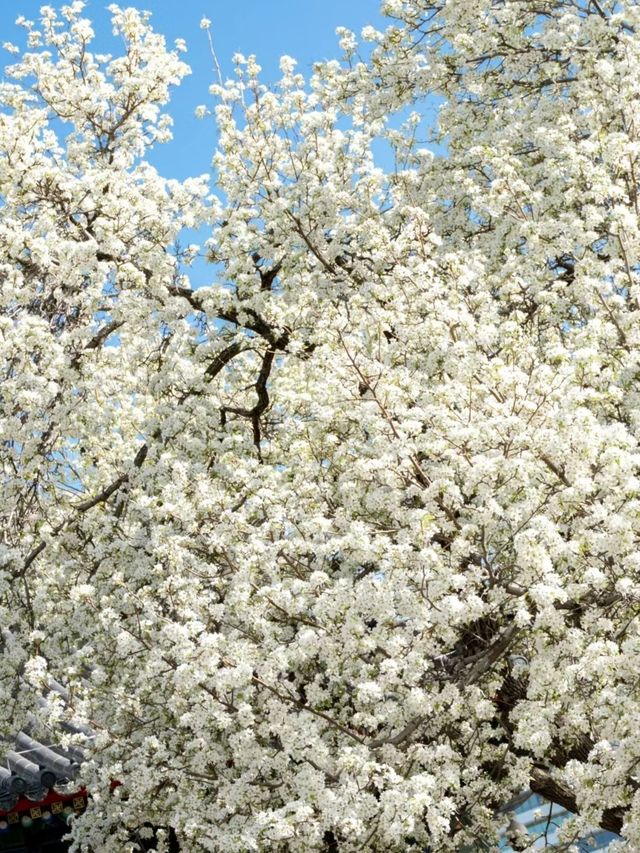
[304, 29]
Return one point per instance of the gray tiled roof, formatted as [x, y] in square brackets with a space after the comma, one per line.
[31, 764]
[31, 768]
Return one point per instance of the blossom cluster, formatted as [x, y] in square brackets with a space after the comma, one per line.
[340, 550]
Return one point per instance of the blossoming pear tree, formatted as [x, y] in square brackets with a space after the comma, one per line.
[339, 549]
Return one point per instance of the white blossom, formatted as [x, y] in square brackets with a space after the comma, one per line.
[337, 549]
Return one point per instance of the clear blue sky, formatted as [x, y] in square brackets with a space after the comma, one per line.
[304, 29]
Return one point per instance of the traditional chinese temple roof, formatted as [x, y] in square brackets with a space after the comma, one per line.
[39, 791]
[31, 768]
[39, 788]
